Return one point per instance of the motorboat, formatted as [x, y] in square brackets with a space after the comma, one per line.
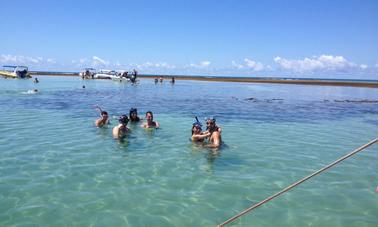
[88, 73]
[106, 74]
[12, 71]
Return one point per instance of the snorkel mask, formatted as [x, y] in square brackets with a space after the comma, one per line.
[123, 119]
[210, 119]
[210, 123]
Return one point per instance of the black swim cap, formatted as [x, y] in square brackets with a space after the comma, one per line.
[123, 119]
[133, 110]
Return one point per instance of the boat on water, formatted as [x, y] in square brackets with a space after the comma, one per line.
[105, 74]
[88, 73]
[110, 75]
[12, 71]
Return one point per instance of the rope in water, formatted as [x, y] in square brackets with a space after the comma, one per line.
[298, 182]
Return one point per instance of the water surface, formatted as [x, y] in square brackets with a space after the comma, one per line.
[57, 169]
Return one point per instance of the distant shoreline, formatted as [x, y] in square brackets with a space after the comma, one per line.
[269, 80]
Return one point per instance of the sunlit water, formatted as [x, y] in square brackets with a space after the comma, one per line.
[57, 169]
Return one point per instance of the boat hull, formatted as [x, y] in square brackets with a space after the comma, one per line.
[15, 75]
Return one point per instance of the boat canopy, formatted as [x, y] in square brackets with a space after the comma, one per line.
[14, 67]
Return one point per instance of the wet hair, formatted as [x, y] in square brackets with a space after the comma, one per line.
[149, 112]
[104, 113]
[195, 125]
[132, 110]
[123, 119]
[136, 118]
[214, 128]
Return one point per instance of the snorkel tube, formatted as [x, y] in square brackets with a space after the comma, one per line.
[197, 122]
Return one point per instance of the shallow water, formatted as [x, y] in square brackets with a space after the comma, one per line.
[57, 169]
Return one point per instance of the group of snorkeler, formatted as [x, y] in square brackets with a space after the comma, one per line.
[121, 130]
[211, 137]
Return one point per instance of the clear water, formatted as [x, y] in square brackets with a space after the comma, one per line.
[57, 169]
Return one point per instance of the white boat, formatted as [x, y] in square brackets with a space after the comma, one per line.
[110, 75]
[105, 74]
[88, 73]
[12, 71]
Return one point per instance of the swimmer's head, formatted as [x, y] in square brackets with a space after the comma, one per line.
[123, 119]
[149, 116]
[196, 128]
[210, 124]
[210, 120]
[104, 114]
[133, 114]
[133, 110]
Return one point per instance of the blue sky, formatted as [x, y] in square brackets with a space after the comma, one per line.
[337, 39]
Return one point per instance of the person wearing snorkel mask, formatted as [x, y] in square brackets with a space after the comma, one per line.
[121, 130]
[197, 134]
[211, 126]
[214, 133]
[150, 123]
[134, 115]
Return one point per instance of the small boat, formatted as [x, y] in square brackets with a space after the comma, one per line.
[110, 75]
[105, 74]
[12, 71]
[88, 73]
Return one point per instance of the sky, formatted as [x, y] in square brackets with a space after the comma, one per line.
[327, 39]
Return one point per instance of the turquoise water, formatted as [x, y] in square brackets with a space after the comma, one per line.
[57, 169]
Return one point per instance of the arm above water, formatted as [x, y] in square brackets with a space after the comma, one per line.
[199, 136]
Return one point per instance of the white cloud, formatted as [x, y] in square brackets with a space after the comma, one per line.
[19, 60]
[321, 63]
[96, 61]
[236, 65]
[363, 66]
[316, 66]
[33, 62]
[248, 64]
[205, 63]
[51, 61]
[255, 66]
[201, 65]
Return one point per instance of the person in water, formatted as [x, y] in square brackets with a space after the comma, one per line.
[150, 123]
[197, 134]
[213, 132]
[121, 130]
[32, 91]
[36, 81]
[104, 118]
[133, 114]
[211, 125]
